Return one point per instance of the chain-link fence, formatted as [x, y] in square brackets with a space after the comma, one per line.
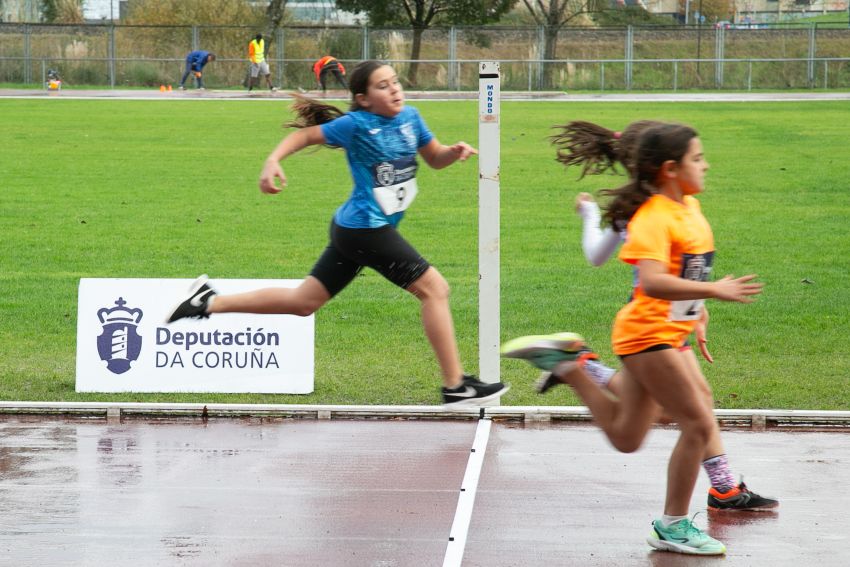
[632, 58]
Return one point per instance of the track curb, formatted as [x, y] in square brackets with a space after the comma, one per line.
[756, 419]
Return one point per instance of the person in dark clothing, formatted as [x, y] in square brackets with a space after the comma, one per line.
[195, 62]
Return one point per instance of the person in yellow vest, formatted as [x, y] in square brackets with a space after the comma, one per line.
[259, 65]
[328, 65]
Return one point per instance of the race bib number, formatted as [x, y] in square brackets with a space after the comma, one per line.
[697, 268]
[394, 184]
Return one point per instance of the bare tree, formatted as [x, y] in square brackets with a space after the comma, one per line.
[552, 15]
[274, 17]
[422, 14]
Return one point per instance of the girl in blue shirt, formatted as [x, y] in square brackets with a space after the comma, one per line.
[381, 138]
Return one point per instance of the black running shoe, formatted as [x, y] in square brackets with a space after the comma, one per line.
[547, 380]
[473, 392]
[196, 302]
[739, 498]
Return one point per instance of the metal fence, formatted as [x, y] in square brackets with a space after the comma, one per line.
[633, 58]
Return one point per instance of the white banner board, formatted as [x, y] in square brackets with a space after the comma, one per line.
[124, 344]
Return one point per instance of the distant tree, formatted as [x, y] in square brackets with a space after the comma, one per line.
[422, 14]
[193, 12]
[275, 14]
[630, 16]
[62, 11]
[553, 15]
[713, 10]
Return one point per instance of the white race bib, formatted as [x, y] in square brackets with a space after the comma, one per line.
[686, 310]
[695, 267]
[394, 184]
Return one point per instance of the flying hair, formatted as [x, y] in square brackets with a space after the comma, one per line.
[311, 112]
[589, 145]
[596, 148]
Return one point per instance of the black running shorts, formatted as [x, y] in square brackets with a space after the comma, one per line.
[382, 249]
[653, 348]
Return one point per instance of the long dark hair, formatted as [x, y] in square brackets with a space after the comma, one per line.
[596, 148]
[655, 145]
[311, 112]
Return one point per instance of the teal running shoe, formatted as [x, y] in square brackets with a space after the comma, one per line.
[684, 537]
[546, 351]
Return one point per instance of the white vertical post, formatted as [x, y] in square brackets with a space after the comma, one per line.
[488, 220]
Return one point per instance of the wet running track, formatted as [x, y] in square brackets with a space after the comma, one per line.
[282, 491]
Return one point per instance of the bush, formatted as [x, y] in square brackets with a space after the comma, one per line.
[143, 74]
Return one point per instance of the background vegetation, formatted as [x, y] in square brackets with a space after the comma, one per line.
[587, 59]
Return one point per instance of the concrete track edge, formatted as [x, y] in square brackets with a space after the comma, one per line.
[753, 418]
[336, 96]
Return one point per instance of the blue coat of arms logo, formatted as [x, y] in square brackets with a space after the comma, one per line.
[119, 344]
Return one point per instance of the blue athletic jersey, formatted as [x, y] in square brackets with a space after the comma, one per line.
[381, 155]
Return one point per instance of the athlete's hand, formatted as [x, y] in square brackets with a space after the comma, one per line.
[737, 289]
[463, 150]
[700, 331]
[583, 198]
[272, 171]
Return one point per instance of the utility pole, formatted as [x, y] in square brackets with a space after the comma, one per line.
[700, 18]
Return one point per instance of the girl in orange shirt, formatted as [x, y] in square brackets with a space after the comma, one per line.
[672, 246]
[597, 150]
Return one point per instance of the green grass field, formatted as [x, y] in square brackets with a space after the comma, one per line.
[115, 188]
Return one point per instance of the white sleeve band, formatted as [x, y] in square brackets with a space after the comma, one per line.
[598, 244]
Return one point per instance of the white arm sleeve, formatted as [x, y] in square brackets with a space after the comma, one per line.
[598, 244]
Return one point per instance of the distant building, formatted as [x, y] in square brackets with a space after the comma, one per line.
[747, 11]
[30, 10]
[20, 11]
[99, 10]
[315, 12]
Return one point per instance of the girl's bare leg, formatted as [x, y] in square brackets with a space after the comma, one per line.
[615, 386]
[303, 300]
[667, 378]
[432, 290]
[624, 418]
[715, 444]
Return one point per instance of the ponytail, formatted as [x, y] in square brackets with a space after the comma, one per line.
[311, 112]
[598, 149]
[625, 201]
[589, 145]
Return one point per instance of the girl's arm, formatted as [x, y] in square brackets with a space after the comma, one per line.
[439, 156]
[657, 282]
[298, 140]
[598, 244]
[701, 332]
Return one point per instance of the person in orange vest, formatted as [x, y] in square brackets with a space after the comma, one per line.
[328, 65]
[259, 65]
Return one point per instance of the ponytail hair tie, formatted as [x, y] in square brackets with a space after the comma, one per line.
[617, 135]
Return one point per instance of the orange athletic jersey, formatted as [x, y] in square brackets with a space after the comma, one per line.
[317, 66]
[677, 235]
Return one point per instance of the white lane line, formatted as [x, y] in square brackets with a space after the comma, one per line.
[466, 499]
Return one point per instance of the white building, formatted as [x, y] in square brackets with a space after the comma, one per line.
[98, 10]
